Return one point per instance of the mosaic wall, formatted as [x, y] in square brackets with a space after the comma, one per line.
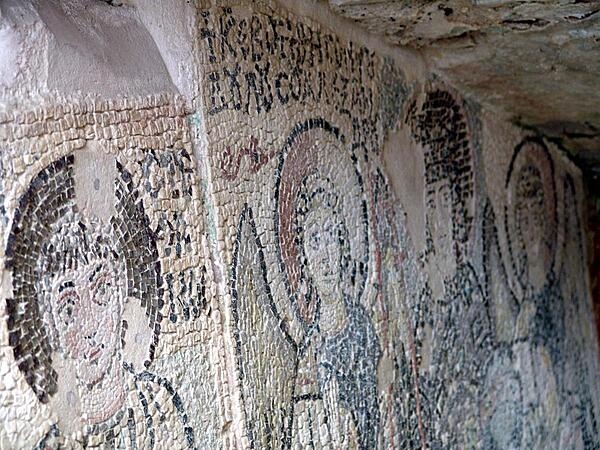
[253, 273]
[352, 327]
[105, 280]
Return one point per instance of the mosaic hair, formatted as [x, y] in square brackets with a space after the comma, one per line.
[38, 208]
[47, 236]
[441, 127]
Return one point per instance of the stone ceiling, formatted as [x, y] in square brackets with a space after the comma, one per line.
[538, 60]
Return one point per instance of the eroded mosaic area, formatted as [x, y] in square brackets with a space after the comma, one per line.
[107, 277]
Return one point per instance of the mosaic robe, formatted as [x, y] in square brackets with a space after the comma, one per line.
[152, 414]
[347, 363]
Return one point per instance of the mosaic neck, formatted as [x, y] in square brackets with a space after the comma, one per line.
[333, 313]
[104, 400]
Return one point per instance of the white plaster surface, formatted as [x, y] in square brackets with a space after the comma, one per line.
[78, 48]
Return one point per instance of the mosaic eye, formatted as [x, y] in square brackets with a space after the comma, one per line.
[329, 231]
[315, 240]
[101, 291]
[65, 310]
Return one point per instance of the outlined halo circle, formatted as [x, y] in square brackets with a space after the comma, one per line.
[316, 148]
[530, 152]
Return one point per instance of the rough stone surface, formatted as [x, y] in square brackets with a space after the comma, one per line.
[317, 242]
[536, 60]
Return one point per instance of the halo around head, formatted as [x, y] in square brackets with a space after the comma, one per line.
[315, 156]
[531, 156]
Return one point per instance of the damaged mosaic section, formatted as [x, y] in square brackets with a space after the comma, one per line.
[330, 251]
[106, 256]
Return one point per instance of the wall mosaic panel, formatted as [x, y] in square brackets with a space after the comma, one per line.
[244, 275]
[349, 330]
[105, 277]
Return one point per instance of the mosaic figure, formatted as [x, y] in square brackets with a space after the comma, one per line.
[340, 356]
[73, 278]
[398, 284]
[544, 401]
[532, 305]
[335, 400]
[457, 334]
[453, 330]
[579, 429]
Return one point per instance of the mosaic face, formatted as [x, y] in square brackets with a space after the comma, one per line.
[535, 234]
[86, 306]
[315, 203]
[439, 124]
[322, 251]
[322, 236]
[80, 294]
[440, 220]
[336, 315]
[70, 283]
[531, 215]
